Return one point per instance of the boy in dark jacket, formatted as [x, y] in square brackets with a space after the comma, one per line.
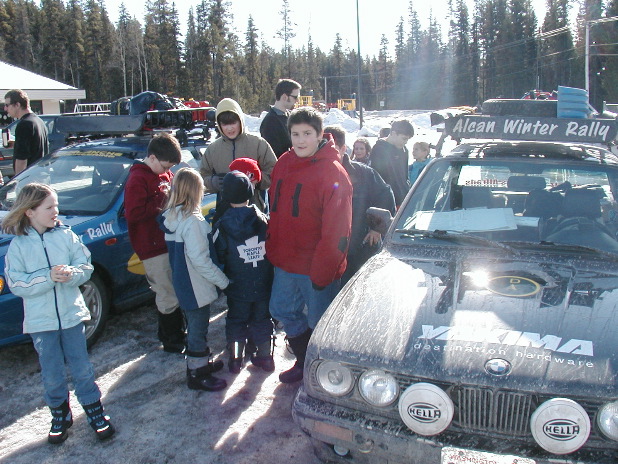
[239, 238]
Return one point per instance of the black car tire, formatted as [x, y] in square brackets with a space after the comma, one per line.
[96, 297]
[533, 108]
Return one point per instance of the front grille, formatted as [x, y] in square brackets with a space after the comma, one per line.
[478, 409]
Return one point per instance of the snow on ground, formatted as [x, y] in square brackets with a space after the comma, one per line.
[158, 419]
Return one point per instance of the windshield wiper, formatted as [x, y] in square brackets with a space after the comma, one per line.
[573, 247]
[452, 235]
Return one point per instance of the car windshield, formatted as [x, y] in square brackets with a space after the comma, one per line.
[86, 185]
[545, 202]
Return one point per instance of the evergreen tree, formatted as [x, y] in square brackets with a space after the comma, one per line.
[286, 33]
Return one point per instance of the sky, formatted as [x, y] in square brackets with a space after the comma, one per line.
[323, 19]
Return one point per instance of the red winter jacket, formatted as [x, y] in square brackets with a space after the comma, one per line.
[145, 195]
[310, 215]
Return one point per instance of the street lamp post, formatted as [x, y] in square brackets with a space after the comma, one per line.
[587, 57]
[360, 90]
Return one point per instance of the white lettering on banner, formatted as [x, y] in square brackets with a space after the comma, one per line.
[508, 337]
[252, 251]
[101, 231]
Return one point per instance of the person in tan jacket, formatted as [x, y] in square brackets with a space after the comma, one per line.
[235, 143]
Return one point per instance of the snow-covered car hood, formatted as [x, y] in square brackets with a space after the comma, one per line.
[554, 324]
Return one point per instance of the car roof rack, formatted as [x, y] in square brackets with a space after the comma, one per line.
[138, 124]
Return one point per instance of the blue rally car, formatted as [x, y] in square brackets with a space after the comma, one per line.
[89, 178]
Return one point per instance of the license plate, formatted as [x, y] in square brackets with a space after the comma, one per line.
[464, 456]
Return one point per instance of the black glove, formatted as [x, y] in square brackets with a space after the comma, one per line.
[216, 182]
[317, 287]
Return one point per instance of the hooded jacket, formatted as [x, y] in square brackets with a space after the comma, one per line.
[221, 152]
[194, 275]
[310, 215]
[239, 238]
[48, 305]
[144, 197]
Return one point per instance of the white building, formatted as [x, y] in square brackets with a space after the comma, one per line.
[45, 94]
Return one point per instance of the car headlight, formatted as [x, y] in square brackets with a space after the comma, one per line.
[607, 419]
[378, 388]
[335, 378]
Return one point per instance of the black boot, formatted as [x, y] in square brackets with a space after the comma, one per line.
[62, 419]
[172, 331]
[98, 420]
[263, 358]
[236, 356]
[202, 379]
[299, 348]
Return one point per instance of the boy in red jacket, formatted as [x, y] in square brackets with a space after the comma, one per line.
[145, 195]
[308, 231]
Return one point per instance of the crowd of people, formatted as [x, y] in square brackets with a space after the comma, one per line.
[289, 230]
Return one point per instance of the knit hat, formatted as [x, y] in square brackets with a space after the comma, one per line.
[247, 166]
[237, 188]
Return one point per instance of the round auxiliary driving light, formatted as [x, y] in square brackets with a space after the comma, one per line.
[560, 426]
[426, 409]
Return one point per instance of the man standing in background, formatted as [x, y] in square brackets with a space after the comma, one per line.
[389, 157]
[274, 127]
[30, 133]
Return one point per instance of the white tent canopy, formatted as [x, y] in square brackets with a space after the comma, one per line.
[38, 87]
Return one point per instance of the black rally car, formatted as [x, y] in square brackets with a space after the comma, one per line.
[486, 329]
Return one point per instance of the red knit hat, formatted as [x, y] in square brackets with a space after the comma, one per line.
[247, 166]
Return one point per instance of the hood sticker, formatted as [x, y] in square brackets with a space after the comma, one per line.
[550, 346]
[513, 286]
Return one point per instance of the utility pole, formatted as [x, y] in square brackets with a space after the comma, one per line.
[359, 98]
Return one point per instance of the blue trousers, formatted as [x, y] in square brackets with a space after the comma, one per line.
[248, 320]
[58, 349]
[198, 321]
[290, 294]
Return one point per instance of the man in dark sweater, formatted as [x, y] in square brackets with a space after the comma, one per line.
[30, 133]
[274, 127]
[389, 157]
[369, 190]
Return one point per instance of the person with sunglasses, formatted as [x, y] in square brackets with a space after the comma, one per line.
[274, 127]
[31, 142]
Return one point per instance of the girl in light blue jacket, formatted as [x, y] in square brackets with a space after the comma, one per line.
[194, 275]
[45, 265]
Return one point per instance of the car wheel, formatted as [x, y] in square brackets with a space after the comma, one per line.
[97, 300]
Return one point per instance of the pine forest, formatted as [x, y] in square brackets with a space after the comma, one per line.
[500, 49]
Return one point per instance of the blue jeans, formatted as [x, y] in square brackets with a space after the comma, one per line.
[198, 321]
[57, 347]
[290, 294]
[248, 320]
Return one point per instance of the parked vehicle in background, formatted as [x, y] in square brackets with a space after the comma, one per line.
[485, 330]
[89, 178]
[56, 140]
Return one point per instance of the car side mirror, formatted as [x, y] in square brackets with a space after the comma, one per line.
[379, 219]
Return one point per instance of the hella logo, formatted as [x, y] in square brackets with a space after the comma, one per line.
[424, 412]
[561, 429]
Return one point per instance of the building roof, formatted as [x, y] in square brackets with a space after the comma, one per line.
[36, 86]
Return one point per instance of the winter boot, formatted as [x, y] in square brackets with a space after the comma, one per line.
[236, 357]
[202, 379]
[171, 331]
[299, 348]
[263, 358]
[62, 419]
[98, 420]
